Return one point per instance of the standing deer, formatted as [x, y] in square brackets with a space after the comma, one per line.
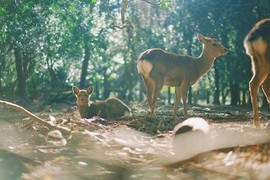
[110, 108]
[158, 67]
[257, 45]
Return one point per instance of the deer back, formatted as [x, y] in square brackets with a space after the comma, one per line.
[168, 68]
[116, 108]
[257, 41]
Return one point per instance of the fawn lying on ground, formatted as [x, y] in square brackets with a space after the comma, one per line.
[110, 108]
[158, 67]
[257, 45]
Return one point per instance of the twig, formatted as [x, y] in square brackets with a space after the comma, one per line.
[123, 11]
[125, 23]
[156, 4]
[213, 170]
[7, 104]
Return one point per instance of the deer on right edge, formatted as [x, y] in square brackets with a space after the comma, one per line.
[257, 45]
[158, 67]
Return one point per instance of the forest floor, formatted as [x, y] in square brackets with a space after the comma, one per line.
[127, 148]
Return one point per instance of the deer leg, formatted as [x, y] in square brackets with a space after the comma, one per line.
[258, 77]
[176, 103]
[156, 90]
[149, 94]
[254, 88]
[184, 89]
[266, 88]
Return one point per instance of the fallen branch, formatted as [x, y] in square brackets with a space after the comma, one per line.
[7, 104]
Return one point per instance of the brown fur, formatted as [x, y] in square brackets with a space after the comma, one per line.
[159, 67]
[257, 45]
[110, 108]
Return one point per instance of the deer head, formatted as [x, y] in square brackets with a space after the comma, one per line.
[212, 47]
[82, 96]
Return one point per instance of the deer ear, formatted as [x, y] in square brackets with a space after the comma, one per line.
[75, 90]
[90, 90]
[201, 38]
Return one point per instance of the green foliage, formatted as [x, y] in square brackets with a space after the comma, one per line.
[52, 39]
[164, 3]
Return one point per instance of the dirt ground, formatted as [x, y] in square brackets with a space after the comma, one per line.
[127, 148]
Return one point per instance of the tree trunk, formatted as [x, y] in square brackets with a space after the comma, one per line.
[106, 85]
[96, 91]
[208, 97]
[235, 97]
[216, 93]
[132, 65]
[142, 89]
[20, 73]
[169, 95]
[244, 98]
[86, 41]
[1, 84]
[54, 80]
[85, 63]
[223, 101]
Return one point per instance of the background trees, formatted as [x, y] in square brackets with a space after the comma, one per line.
[46, 47]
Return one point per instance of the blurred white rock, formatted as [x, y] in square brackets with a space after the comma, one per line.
[194, 136]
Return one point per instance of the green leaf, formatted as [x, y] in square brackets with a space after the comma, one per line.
[164, 4]
[72, 8]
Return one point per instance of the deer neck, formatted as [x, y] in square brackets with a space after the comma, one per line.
[84, 110]
[205, 62]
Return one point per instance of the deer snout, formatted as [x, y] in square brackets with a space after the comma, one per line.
[82, 101]
[225, 51]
